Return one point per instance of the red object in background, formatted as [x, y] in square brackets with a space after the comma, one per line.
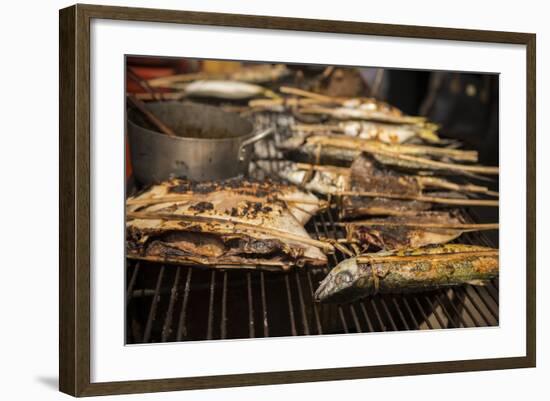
[147, 73]
[128, 159]
[154, 67]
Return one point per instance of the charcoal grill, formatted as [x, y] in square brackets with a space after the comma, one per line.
[166, 303]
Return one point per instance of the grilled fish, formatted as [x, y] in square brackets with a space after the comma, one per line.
[408, 270]
[363, 112]
[371, 130]
[329, 180]
[231, 90]
[358, 206]
[414, 231]
[323, 147]
[260, 73]
[367, 174]
[234, 223]
[308, 153]
[368, 188]
[380, 148]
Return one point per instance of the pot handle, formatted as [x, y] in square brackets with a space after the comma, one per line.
[261, 135]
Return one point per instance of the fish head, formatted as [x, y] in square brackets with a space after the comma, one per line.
[342, 284]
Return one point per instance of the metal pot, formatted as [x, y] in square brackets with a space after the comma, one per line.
[211, 144]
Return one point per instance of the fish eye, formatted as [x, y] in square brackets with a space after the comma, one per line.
[343, 278]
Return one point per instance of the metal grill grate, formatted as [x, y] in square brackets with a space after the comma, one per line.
[180, 303]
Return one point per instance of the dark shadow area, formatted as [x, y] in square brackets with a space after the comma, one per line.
[49, 381]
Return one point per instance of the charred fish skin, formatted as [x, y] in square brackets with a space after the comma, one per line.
[325, 155]
[357, 206]
[398, 232]
[236, 223]
[408, 270]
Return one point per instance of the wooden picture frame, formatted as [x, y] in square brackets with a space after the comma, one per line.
[74, 205]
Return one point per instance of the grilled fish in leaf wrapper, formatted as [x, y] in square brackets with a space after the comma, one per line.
[229, 224]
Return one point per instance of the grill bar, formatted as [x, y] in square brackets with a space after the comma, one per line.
[421, 309]
[484, 300]
[290, 307]
[493, 294]
[223, 324]
[315, 305]
[476, 307]
[366, 315]
[455, 310]
[445, 311]
[355, 319]
[153, 309]
[398, 309]
[250, 306]
[469, 309]
[435, 311]
[390, 317]
[173, 295]
[182, 326]
[132, 283]
[343, 319]
[377, 314]
[302, 304]
[410, 312]
[264, 305]
[211, 305]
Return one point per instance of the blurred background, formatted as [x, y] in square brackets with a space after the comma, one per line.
[466, 105]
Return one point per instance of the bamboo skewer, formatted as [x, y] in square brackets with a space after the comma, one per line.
[237, 225]
[316, 127]
[396, 117]
[441, 165]
[252, 74]
[190, 197]
[349, 113]
[324, 167]
[302, 201]
[178, 78]
[151, 117]
[366, 145]
[299, 209]
[423, 181]
[441, 183]
[264, 265]
[154, 201]
[430, 199]
[433, 257]
[458, 226]
[342, 248]
[144, 85]
[427, 163]
[145, 96]
[311, 95]
[259, 103]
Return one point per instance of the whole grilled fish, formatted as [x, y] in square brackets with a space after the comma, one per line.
[408, 270]
[235, 223]
[371, 130]
[413, 231]
[364, 111]
[231, 90]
